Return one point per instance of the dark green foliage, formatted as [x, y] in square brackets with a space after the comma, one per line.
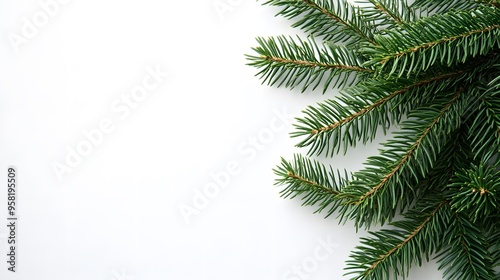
[466, 254]
[431, 69]
[390, 252]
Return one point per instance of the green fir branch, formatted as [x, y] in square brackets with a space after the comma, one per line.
[384, 13]
[295, 62]
[445, 39]
[466, 255]
[392, 252]
[485, 129]
[332, 20]
[360, 111]
[404, 161]
[311, 181]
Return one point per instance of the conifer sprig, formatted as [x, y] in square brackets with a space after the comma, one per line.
[360, 111]
[446, 39]
[390, 252]
[333, 20]
[466, 255]
[294, 62]
[387, 13]
[312, 181]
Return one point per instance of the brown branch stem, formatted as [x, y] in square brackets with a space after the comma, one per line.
[304, 180]
[316, 64]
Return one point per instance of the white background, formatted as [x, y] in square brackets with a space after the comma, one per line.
[117, 215]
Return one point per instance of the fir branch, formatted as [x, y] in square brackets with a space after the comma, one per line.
[383, 100]
[312, 181]
[295, 62]
[332, 20]
[484, 131]
[454, 156]
[387, 12]
[411, 151]
[384, 13]
[466, 255]
[391, 252]
[424, 46]
[426, 42]
[305, 63]
[376, 190]
[360, 111]
[343, 21]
